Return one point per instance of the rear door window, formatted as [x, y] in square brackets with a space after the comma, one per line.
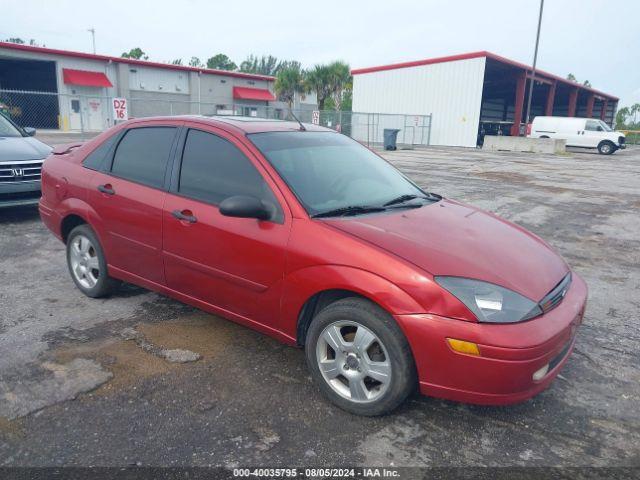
[142, 155]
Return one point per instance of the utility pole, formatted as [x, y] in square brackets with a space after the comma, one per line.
[93, 38]
[527, 117]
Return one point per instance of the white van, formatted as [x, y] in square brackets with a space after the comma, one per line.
[579, 132]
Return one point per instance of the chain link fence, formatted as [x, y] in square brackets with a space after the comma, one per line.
[88, 115]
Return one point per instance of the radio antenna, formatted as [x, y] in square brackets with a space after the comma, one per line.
[302, 129]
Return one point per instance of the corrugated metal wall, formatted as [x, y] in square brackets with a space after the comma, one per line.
[451, 91]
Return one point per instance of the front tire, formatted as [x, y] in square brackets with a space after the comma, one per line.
[606, 147]
[87, 263]
[359, 357]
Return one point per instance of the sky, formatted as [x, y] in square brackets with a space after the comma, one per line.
[596, 40]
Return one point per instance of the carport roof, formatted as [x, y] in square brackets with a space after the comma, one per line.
[132, 61]
[465, 56]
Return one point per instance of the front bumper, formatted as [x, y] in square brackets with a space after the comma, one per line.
[14, 194]
[509, 354]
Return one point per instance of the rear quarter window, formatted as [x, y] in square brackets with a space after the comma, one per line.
[95, 159]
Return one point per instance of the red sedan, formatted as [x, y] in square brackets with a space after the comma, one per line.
[305, 235]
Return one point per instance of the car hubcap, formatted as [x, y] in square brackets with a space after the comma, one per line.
[353, 361]
[606, 148]
[84, 261]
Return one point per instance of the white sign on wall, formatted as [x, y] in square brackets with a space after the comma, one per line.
[120, 112]
[315, 117]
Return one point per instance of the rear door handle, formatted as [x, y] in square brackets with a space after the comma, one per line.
[185, 216]
[108, 189]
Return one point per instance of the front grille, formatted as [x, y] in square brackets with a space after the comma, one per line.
[20, 171]
[7, 197]
[555, 296]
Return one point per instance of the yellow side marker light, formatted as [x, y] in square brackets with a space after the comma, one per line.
[463, 346]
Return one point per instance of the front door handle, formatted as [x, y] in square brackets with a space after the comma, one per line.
[108, 189]
[185, 216]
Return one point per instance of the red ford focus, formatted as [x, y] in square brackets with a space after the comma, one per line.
[307, 236]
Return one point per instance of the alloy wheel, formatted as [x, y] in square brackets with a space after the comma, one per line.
[84, 261]
[353, 361]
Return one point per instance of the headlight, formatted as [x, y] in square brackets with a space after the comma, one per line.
[490, 303]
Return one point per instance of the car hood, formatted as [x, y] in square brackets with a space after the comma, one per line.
[450, 238]
[15, 149]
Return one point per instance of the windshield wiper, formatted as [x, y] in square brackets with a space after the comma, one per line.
[406, 198]
[349, 210]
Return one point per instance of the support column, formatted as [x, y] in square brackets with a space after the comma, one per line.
[551, 96]
[603, 109]
[519, 103]
[573, 102]
[590, 101]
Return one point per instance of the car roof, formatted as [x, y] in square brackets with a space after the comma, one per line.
[244, 124]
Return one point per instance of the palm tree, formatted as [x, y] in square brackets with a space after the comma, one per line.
[339, 81]
[289, 81]
[319, 80]
[634, 110]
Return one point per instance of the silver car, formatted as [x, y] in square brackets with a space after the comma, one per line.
[21, 158]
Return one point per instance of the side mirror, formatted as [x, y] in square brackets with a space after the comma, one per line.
[243, 206]
[29, 131]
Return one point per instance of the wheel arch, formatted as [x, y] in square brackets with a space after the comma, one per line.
[68, 223]
[316, 303]
[74, 212]
[309, 290]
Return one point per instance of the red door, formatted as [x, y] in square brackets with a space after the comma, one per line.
[128, 201]
[235, 264]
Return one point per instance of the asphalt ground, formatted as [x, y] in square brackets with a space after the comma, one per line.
[88, 382]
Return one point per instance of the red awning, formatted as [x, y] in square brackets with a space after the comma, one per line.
[245, 93]
[85, 78]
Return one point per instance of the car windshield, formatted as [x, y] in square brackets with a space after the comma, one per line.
[330, 172]
[7, 129]
[606, 127]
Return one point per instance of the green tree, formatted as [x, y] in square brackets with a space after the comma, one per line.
[586, 83]
[19, 41]
[621, 117]
[135, 53]
[319, 80]
[340, 81]
[177, 61]
[221, 62]
[289, 81]
[264, 65]
[633, 112]
[572, 77]
[195, 62]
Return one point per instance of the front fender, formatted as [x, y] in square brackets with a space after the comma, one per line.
[302, 284]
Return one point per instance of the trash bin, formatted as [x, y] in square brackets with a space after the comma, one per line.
[390, 137]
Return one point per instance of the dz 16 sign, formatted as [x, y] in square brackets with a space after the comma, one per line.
[120, 109]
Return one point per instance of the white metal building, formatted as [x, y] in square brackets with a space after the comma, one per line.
[472, 94]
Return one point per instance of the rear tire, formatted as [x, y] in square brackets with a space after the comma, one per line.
[87, 263]
[606, 147]
[367, 365]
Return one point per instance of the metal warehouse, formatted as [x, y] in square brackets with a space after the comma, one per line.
[57, 89]
[474, 94]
